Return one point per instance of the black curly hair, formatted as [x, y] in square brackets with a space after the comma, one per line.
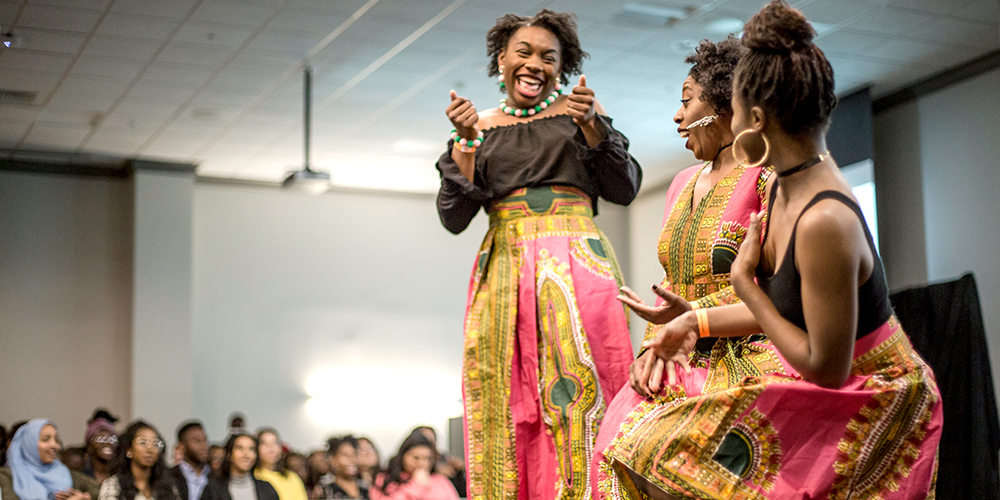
[784, 72]
[560, 24]
[714, 63]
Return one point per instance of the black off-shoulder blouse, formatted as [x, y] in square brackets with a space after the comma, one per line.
[542, 152]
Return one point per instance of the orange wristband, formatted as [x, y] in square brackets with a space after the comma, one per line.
[702, 316]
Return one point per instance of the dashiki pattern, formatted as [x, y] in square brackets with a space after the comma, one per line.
[538, 368]
[777, 436]
[696, 248]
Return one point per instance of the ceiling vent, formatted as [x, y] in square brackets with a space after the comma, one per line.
[18, 97]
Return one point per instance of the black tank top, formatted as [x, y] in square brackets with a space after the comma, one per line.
[785, 287]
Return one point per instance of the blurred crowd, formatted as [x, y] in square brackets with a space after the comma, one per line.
[133, 465]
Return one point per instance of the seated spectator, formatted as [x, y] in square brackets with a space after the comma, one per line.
[369, 462]
[410, 474]
[139, 471]
[35, 472]
[216, 455]
[297, 464]
[3, 446]
[237, 422]
[342, 481]
[273, 467]
[448, 466]
[101, 442]
[192, 472]
[73, 457]
[319, 468]
[235, 480]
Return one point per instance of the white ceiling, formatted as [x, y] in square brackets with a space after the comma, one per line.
[219, 83]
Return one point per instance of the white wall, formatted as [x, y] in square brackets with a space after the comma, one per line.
[65, 298]
[959, 145]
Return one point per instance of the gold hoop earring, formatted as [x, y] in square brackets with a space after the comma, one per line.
[763, 158]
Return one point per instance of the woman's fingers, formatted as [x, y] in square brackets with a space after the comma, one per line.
[656, 377]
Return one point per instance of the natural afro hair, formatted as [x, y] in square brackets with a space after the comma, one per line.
[562, 25]
[785, 73]
[713, 71]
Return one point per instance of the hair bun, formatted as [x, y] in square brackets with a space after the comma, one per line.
[778, 28]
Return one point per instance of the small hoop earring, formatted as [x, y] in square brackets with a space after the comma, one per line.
[763, 158]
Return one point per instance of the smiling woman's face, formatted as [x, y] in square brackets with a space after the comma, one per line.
[531, 66]
[48, 444]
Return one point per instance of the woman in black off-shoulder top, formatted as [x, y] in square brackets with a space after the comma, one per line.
[546, 343]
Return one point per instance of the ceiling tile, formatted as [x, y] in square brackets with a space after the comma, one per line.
[202, 32]
[93, 84]
[179, 91]
[933, 6]
[124, 69]
[12, 132]
[51, 41]
[138, 26]
[178, 73]
[233, 13]
[835, 12]
[78, 4]
[27, 59]
[122, 47]
[66, 98]
[983, 10]
[176, 9]
[42, 82]
[915, 51]
[58, 18]
[849, 42]
[890, 21]
[203, 54]
[984, 35]
[306, 20]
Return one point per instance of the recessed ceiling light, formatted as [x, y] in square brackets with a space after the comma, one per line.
[724, 26]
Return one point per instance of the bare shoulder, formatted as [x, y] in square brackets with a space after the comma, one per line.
[489, 118]
[830, 227]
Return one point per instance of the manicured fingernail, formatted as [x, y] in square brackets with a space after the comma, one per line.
[655, 287]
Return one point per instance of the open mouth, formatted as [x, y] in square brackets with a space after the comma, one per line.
[683, 132]
[528, 86]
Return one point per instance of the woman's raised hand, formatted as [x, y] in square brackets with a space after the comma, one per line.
[743, 269]
[581, 104]
[673, 305]
[463, 116]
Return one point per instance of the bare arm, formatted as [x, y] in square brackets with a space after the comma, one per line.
[829, 254]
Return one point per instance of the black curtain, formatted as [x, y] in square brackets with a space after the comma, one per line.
[945, 324]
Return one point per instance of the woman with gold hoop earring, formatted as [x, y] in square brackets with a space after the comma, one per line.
[708, 210]
[859, 414]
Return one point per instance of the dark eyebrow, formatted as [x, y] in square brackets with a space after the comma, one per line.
[550, 51]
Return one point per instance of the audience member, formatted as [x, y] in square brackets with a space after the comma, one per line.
[410, 474]
[139, 471]
[448, 466]
[342, 481]
[35, 471]
[3, 446]
[297, 464]
[235, 480]
[192, 471]
[369, 462]
[216, 455]
[73, 457]
[101, 441]
[273, 467]
[237, 421]
[319, 467]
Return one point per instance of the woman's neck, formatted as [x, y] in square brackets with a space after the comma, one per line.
[788, 152]
[140, 473]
